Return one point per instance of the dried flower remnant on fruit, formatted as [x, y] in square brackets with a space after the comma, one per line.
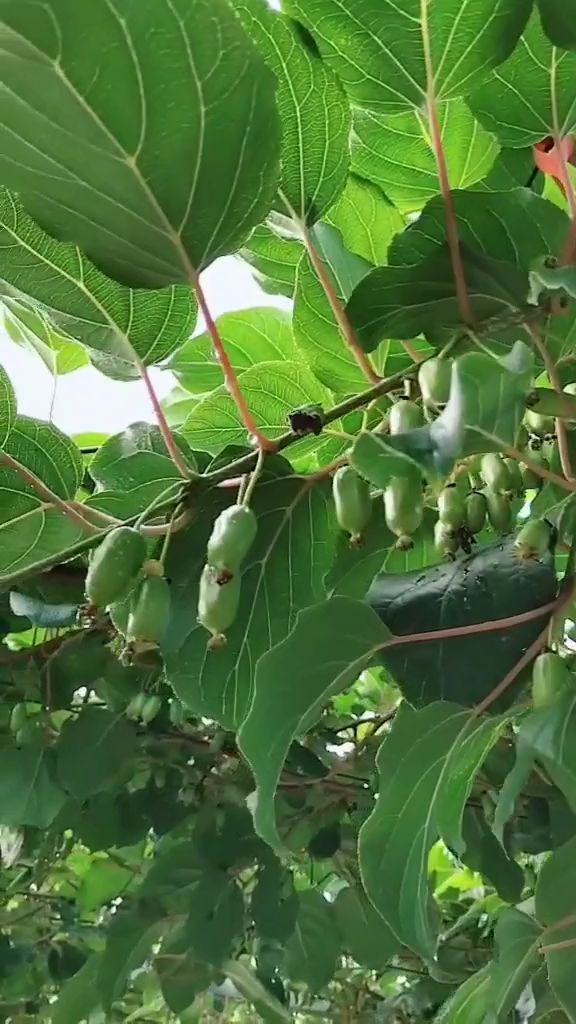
[308, 419]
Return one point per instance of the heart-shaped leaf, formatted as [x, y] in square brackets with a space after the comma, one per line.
[559, 22]
[546, 100]
[8, 407]
[395, 152]
[29, 791]
[402, 302]
[314, 112]
[273, 259]
[386, 67]
[174, 176]
[106, 317]
[28, 327]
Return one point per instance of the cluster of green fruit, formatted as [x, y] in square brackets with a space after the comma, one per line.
[130, 587]
[486, 490]
[23, 726]
[144, 707]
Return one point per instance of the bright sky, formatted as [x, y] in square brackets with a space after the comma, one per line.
[88, 401]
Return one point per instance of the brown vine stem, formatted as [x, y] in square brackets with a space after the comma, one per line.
[555, 947]
[561, 429]
[443, 177]
[167, 435]
[346, 329]
[230, 377]
[417, 357]
[47, 495]
[564, 922]
[493, 626]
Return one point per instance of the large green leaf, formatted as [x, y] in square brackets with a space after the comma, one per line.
[396, 152]
[29, 790]
[550, 734]
[30, 328]
[313, 108]
[555, 903]
[272, 390]
[92, 749]
[311, 952]
[559, 22]
[250, 337]
[182, 976]
[273, 259]
[426, 766]
[137, 458]
[516, 226]
[517, 960]
[402, 302]
[364, 932]
[366, 220]
[30, 529]
[168, 179]
[315, 327]
[326, 651]
[468, 1004]
[8, 406]
[284, 573]
[79, 995]
[130, 937]
[379, 49]
[521, 116]
[480, 588]
[106, 317]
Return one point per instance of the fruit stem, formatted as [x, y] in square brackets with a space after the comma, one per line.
[230, 377]
[346, 329]
[254, 477]
[49, 496]
[167, 435]
[443, 177]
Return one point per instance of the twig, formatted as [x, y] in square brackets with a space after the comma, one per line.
[561, 429]
[542, 471]
[229, 373]
[436, 135]
[47, 495]
[167, 435]
[346, 329]
[248, 490]
[417, 357]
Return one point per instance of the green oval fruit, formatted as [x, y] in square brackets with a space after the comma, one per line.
[217, 604]
[404, 416]
[434, 378]
[404, 508]
[176, 711]
[18, 717]
[550, 677]
[539, 424]
[445, 540]
[150, 708]
[119, 613]
[114, 565]
[499, 511]
[352, 502]
[516, 481]
[570, 389]
[522, 437]
[150, 611]
[135, 706]
[451, 507]
[233, 534]
[476, 507]
[27, 732]
[533, 540]
[495, 472]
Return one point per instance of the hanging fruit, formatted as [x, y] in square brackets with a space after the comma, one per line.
[499, 511]
[550, 676]
[434, 379]
[538, 424]
[495, 472]
[150, 708]
[352, 503]
[217, 605]
[533, 539]
[404, 508]
[404, 416]
[476, 507]
[451, 507]
[150, 611]
[233, 534]
[445, 540]
[114, 565]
